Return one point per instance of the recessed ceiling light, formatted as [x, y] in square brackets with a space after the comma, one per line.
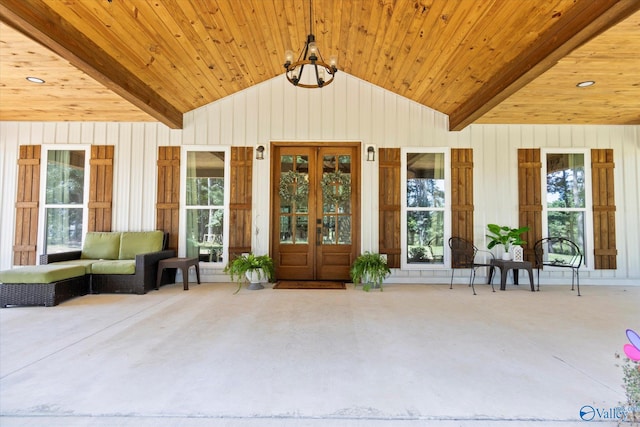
[35, 80]
[586, 83]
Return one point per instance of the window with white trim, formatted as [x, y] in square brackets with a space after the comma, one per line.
[425, 211]
[66, 195]
[566, 187]
[205, 205]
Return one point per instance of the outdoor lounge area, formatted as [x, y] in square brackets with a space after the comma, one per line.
[475, 163]
[108, 262]
[413, 355]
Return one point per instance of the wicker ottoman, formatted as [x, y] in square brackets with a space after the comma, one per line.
[46, 285]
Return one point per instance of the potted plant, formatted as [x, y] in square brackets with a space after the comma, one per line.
[255, 268]
[370, 269]
[505, 236]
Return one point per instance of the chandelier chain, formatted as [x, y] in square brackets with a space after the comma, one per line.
[310, 16]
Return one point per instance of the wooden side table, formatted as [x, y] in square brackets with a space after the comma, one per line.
[183, 264]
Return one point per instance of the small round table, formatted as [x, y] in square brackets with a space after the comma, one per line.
[183, 264]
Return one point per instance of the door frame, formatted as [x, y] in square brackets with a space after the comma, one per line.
[356, 179]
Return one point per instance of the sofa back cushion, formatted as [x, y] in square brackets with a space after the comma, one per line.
[140, 242]
[101, 245]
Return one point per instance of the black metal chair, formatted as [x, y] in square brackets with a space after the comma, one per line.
[463, 255]
[559, 252]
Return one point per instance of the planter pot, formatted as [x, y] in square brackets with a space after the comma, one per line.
[255, 277]
[506, 256]
[368, 284]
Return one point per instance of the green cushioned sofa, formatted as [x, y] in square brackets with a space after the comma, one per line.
[118, 262]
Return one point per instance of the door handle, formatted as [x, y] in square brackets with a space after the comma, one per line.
[318, 236]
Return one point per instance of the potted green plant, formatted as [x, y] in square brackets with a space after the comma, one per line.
[505, 236]
[255, 268]
[370, 269]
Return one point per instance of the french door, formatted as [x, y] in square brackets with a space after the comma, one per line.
[315, 210]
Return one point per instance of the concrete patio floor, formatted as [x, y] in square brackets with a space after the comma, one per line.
[413, 355]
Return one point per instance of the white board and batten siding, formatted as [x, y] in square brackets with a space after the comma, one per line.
[348, 110]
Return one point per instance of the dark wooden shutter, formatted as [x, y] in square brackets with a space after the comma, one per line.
[168, 196]
[101, 188]
[240, 201]
[462, 193]
[530, 198]
[604, 209]
[27, 200]
[389, 205]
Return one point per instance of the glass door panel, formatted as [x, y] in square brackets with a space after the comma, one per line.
[294, 199]
[336, 199]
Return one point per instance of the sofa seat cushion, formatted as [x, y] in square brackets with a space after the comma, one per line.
[101, 245]
[124, 266]
[140, 242]
[86, 263]
[41, 273]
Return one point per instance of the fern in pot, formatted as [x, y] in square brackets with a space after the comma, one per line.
[255, 268]
[370, 270]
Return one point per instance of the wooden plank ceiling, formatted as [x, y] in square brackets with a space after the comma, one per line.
[491, 61]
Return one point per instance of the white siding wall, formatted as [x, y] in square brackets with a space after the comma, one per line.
[348, 110]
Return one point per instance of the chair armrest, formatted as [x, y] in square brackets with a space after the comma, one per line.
[491, 255]
[61, 256]
[152, 258]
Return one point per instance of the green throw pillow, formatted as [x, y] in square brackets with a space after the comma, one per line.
[140, 242]
[101, 245]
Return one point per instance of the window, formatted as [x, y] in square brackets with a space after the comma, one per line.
[566, 186]
[294, 209]
[206, 205]
[65, 199]
[425, 211]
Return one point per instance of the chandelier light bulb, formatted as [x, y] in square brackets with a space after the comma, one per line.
[288, 56]
[313, 50]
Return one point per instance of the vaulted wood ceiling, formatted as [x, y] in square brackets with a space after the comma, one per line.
[490, 61]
